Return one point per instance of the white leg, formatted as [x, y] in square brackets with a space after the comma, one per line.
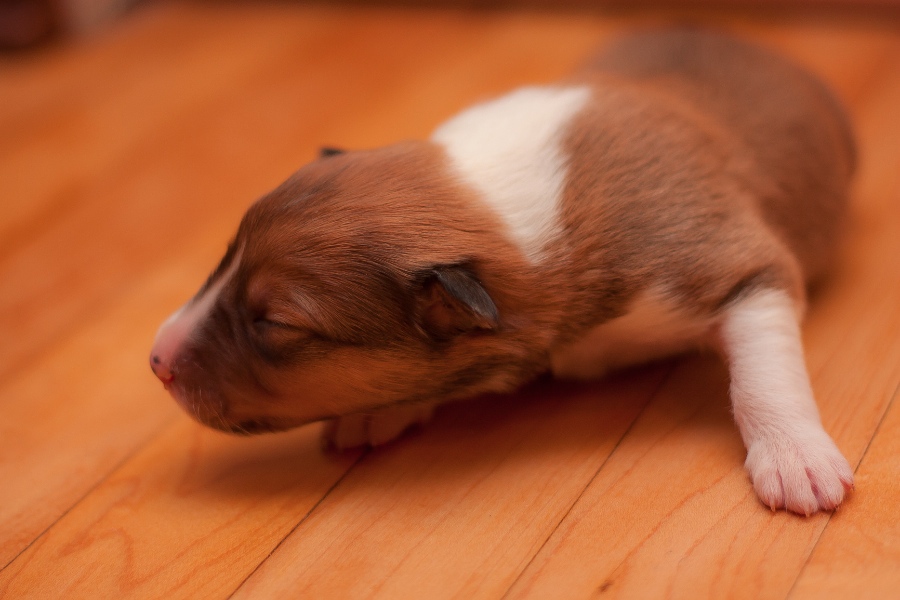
[793, 463]
[374, 428]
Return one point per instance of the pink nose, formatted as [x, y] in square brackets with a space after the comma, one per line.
[168, 344]
[161, 369]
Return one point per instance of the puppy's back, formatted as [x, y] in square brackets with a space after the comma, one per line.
[793, 129]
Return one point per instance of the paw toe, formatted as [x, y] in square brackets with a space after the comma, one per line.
[802, 478]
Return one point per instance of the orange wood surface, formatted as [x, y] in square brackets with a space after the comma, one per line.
[126, 160]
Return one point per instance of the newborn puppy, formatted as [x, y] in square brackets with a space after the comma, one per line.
[682, 189]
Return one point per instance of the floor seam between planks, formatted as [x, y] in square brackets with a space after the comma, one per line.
[590, 481]
[865, 92]
[877, 429]
[862, 457]
[809, 553]
[100, 481]
[302, 520]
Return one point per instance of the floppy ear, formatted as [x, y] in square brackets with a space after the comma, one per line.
[452, 301]
[326, 151]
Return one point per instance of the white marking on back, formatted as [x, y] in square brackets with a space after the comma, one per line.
[654, 327]
[509, 150]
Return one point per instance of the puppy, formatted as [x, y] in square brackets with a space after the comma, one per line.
[681, 189]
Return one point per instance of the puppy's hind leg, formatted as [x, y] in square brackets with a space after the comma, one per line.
[793, 463]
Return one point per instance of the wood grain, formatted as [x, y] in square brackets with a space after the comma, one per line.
[126, 161]
[860, 550]
[189, 516]
[514, 479]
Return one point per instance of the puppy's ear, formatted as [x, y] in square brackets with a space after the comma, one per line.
[326, 151]
[451, 301]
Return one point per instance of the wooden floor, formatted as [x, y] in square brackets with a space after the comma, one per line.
[126, 161]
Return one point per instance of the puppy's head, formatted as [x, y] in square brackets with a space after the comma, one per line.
[356, 284]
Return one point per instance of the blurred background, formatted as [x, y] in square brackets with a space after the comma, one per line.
[26, 23]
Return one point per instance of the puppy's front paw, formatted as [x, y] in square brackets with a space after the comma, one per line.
[373, 428]
[803, 474]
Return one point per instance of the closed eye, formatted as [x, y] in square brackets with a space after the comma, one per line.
[266, 322]
[279, 342]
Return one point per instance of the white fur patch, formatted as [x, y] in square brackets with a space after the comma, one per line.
[652, 328]
[509, 150]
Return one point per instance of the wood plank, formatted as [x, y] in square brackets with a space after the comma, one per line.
[86, 429]
[196, 512]
[458, 511]
[859, 553]
[190, 516]
[89, 404]
[73, 133]
[672, 513]
[703, 533]
[860, 549]
[125, 194]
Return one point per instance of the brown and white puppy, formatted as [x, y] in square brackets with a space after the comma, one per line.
[683, 189]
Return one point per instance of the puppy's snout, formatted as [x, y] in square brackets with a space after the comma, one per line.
[170, 340]
[161, 369]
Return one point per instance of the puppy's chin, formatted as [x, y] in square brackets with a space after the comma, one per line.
[209, 409]
[212, 410]
[243, 426]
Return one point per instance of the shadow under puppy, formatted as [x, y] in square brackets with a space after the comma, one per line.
[682, 189]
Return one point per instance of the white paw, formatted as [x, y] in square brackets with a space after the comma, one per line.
[373, 428]
[802, 473]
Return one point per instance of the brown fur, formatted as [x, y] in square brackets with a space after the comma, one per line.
[341, 256]
[710, 164]
[704, 165]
